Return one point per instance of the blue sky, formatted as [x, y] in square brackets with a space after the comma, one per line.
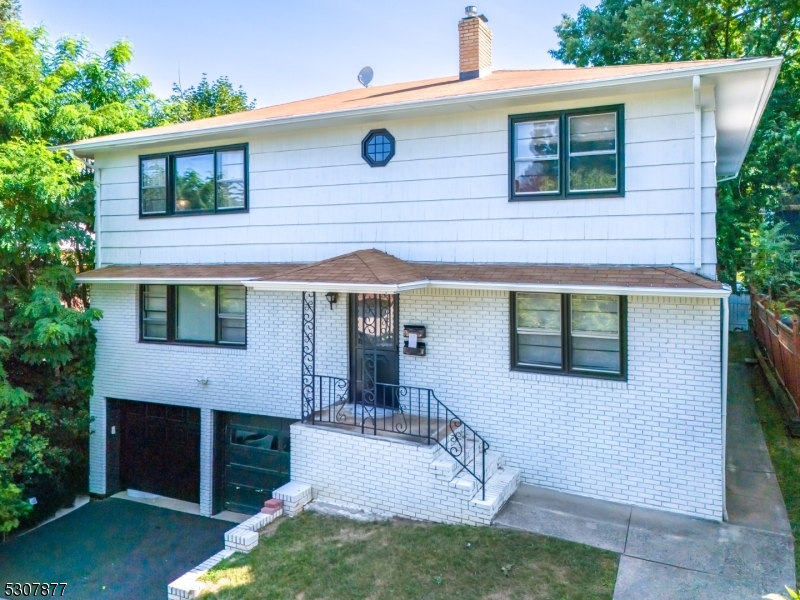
[288, 50]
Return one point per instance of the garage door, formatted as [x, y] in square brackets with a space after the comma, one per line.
[159, 449]
[254, 459]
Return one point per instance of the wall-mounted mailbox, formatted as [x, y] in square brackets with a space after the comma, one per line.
[419, 330]
[418, 351]
[413, 333]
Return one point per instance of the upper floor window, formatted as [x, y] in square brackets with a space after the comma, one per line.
[567, 154]
[194, 314]
[377, 149]
[195, 182]
[576, 334]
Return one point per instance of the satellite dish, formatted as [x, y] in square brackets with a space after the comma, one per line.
[365, 76]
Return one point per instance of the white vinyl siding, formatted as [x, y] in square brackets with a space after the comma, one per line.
[443, 197]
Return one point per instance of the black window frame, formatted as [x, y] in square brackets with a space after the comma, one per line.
[563, 154]
[566, 368]
[365, 143]
[172, 325]
[170, 182]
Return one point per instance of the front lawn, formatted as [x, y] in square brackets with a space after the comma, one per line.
[316, 556]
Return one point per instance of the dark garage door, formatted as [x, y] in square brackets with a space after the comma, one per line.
[254, 455]
[160, 449]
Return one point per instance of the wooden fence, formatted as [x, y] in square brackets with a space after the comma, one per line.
[781, 344]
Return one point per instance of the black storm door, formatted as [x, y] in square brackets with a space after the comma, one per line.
[374, 350]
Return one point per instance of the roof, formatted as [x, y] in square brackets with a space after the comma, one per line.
[373, 271]
[746, 105]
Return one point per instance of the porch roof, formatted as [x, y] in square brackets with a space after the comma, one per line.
[373, 271]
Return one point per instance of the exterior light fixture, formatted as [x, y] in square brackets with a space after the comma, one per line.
[331, 297]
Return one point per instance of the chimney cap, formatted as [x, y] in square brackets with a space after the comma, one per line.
[472, 12]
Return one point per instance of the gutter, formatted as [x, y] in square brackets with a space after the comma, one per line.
[299, 286]
[165, 280]
[724, 386]
[173, 136]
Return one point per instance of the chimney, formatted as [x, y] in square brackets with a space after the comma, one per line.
[474, 45]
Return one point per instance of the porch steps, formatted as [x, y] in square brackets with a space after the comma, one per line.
[501, 482]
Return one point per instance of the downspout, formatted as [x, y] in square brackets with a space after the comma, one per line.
[724, 386]
[698, 174]
[98, 262]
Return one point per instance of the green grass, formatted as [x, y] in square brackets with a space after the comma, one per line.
[783, 450]
[315, 556]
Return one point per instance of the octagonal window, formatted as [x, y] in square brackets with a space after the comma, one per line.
[377, 149]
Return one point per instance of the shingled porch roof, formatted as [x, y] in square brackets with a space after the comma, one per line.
[373, 271]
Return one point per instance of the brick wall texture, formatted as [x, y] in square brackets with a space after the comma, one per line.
[653, 441]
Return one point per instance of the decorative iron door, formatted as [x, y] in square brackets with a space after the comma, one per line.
[374, 351]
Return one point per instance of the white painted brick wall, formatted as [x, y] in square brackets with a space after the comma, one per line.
[377, 475]
[654, 440]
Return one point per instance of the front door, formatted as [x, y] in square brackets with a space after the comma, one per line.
[374, 349]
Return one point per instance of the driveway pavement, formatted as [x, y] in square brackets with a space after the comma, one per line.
[666, 556]
[113, 549]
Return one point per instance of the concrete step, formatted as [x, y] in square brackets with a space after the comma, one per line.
[498, 490]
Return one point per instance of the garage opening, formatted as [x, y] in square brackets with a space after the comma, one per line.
[159, 448]
[253, 457]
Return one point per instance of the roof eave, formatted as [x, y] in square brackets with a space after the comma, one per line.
[83, 148]
[165, 280]
[569, 288]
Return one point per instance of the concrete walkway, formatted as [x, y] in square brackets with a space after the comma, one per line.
[667, 556]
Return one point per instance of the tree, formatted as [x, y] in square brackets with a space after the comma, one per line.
[637, 31]
[9, 10]
[206, 100]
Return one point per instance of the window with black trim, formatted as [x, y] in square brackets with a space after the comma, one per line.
[576, 153]
[377, 149]
[575, 334]
[194, 182]
[193, 314]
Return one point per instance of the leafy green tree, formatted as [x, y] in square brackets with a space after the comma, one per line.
[206, 100]
[9, 10]
[638, 31]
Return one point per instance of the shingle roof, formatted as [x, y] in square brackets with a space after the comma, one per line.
[414, 91]
[364, 269]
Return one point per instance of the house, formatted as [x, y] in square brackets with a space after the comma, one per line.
[413, 297]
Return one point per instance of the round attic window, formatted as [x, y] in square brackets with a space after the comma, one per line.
[377, 149]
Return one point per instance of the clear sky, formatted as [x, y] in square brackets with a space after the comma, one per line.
[293, 49]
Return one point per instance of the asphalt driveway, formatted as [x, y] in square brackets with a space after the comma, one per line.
[112, 549]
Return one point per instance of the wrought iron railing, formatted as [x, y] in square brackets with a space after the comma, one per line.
[401, 410]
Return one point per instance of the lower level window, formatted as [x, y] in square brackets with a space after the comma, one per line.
[195, 314]
[580, 334]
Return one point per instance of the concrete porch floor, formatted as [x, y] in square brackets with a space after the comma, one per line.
[667, 556]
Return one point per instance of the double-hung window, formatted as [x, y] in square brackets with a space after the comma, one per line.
[577, 334]
[196, 182]
[193, 314]
[567, 154]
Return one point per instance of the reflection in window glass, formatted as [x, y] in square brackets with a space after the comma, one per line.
[593, 152]
[539, 329]
[154, 185]
[536, 157]
[195, 313]
[595, 330]
[194, 183]
[230, 179]
[232, 314]
[154, 312]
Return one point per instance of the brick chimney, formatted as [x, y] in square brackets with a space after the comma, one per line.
[474, 45]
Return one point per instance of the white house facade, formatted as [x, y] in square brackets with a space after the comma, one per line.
[414, 297]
